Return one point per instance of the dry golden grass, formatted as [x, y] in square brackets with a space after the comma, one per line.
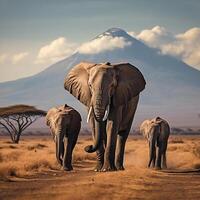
[35, 174]
[24, 158]
[33, 155]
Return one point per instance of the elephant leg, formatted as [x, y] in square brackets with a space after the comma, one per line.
[59, 148]
[164, 160]
[154, 159]
[70, 141]
[152, 155]
[123, 134]
[67, 159]
[121, 141]
[109, 155]
[152, 152]
[158, 160]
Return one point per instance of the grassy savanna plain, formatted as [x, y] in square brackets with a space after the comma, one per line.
[29, 170]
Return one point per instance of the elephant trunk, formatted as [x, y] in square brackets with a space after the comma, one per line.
[100, 114]
[101, 105]
[97, 140]
[99, 111]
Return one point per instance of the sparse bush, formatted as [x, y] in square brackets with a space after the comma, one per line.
[1, 157]
[8, 171]
[12, 172]
[37, 146]
[8, 142]
[173, 148]
[12, 147]
[12, 156]
[37, 165]
[51, 152]
[176, 141]
[196, 166]
[196, 151]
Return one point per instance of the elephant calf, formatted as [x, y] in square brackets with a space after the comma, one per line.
[65, 124]
[156, 131]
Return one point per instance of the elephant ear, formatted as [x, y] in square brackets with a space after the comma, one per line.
[47, 120]
[129, 84]
[76, 82]
[144, 128]
[49, 115]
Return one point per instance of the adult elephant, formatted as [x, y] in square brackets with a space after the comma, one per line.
[111, 93]
[157, 132]
[65, 123]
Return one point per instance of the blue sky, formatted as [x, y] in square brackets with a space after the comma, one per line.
[26, 25]
[82, 19]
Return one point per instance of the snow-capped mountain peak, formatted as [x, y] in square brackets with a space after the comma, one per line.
[172, 89]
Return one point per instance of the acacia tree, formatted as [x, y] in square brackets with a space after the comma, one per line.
[15, 119]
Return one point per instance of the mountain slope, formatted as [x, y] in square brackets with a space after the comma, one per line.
[172, 91]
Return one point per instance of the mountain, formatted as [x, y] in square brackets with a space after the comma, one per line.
[172, 90]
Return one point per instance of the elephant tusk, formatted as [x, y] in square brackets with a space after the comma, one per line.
[106, 112]
[89, 113]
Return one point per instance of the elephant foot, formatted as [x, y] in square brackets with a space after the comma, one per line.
[67, 168]
[120, 167]
[157, 168]
[164, 167]
[108, 167]
[60, 162]
[98, 167]
[149, 165]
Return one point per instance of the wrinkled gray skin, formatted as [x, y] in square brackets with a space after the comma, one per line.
[157, 132]
[64, 123]
[111, 93]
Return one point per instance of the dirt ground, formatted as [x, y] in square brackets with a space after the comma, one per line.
[29, 171]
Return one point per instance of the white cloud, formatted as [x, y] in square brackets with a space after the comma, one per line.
[55, 51]
[156, 36]
[3, 58]
[103, 43]
[19, 57]
[185, 46]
